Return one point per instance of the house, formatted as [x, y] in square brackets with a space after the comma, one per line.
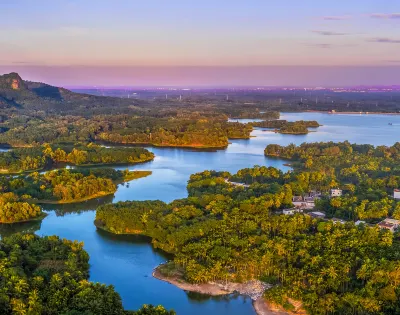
[336, 192]
[389, 224]
[317, 215]
[396, 194]
[304, 204]
[292, 211]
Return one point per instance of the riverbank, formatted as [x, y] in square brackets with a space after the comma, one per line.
[253, 289]
[61, 202]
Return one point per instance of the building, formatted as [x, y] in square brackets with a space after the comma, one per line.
[297, 198]
[304, 204]
[292, 211]
[317, 215]
[389, 224]
[396, 194]
[336, 192]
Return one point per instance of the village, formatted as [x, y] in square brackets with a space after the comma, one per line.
[305, 204]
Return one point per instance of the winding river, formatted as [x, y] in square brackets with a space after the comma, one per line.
[127, 261]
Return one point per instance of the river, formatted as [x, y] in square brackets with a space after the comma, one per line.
[127, 261]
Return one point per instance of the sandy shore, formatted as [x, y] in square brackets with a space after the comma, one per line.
[253, 289]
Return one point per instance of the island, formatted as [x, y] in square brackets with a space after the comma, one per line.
[14, 209]
[49, 156]
[53, 278]
[20, 196]
[299, 127]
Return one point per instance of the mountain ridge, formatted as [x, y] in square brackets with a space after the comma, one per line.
[19, 94]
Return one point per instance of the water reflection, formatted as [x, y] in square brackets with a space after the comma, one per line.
[25, 227]
[90, 205]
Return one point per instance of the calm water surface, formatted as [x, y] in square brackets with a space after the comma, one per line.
[127, 262]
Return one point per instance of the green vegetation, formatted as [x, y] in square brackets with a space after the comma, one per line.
[202, 133]
[223, 230]
[235, 233]
[244, 113]
[368, 175]
[14, 209]
[284, 126]
[36, 158]
[50, 276]
[68, 186]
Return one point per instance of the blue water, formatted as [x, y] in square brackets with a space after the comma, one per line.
[127, 262]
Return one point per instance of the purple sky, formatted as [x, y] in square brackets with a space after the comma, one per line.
[79, 76]
[178, 42]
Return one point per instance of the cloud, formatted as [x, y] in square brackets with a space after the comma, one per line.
[386, 16]
[385, 40]
[336, 18]
[329, 33]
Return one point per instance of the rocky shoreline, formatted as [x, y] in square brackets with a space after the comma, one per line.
[253, 289]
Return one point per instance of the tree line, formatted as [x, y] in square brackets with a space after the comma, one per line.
[39, 157]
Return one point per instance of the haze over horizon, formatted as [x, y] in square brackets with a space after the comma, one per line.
[176, 43]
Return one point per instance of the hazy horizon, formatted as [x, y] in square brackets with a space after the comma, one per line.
[203, 77]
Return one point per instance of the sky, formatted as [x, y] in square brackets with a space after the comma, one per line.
[207, 42]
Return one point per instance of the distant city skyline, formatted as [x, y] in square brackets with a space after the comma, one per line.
[156, 42]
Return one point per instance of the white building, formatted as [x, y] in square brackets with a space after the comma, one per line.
[336, 192]
[396, 194]
[292, 211]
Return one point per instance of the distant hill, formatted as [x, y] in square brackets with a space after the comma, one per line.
[18, 94]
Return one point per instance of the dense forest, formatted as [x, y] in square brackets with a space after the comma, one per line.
[67, 185]
[188, 130]
[229, 232]
[47, 275]
[16, 209]
[39, 157]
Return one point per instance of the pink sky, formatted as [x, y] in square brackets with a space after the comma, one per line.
[209, 76]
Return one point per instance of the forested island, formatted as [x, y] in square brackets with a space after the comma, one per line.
[15, 209]
[48, 275]
[235, 233]
[46, 156]
[286, 127]
[68, 185]
[20, 195]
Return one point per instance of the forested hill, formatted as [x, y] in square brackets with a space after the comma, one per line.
[20, 95]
